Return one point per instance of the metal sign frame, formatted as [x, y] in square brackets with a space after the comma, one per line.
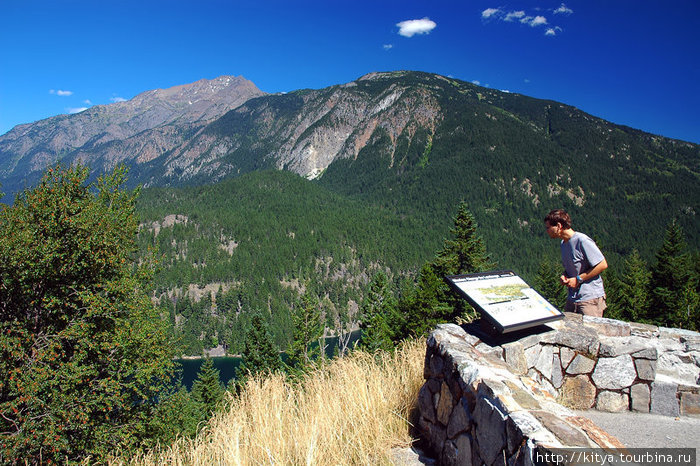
[505, 300]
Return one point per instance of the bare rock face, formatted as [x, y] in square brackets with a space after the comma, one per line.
[210, 129]
[138, 130]
[305, 131]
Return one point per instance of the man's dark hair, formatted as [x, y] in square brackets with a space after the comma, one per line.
[558, 216]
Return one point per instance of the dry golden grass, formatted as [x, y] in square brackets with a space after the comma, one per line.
[353, 410]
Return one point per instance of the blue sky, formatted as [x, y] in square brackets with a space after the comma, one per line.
[635, 63]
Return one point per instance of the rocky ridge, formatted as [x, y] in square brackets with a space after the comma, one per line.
[306, 131]
[135, 131]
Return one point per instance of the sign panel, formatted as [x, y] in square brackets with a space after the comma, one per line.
[505, 300]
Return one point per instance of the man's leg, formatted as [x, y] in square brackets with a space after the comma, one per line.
[593, 307]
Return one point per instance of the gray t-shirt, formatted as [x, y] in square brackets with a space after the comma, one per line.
[580, 254]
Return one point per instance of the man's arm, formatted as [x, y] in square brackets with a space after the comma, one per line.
[595, 271]
[573, 282]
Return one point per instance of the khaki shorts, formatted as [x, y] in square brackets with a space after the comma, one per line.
[591, 307]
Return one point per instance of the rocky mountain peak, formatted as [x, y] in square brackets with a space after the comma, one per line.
[375, 75]
[198, 97]
[147, 125]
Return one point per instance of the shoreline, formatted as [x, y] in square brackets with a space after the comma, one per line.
[192, 358]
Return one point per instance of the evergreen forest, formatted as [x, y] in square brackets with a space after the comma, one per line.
[263, 240]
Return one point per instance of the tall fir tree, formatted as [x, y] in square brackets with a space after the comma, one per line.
[308, 328]
[259, 354]
[433, 301]
[465, 251]
[628, 293]
[380, 318]
[207, 389]
[674, 283]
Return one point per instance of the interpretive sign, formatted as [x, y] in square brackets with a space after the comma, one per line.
[505, 300]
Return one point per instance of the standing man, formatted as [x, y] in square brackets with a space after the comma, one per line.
[583, 263]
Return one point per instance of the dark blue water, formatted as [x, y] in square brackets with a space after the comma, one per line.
[227, 365]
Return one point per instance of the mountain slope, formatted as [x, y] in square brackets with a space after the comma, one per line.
[513, 158]
[419, 143]
[259, 240]
[303, 131]
[133, 132]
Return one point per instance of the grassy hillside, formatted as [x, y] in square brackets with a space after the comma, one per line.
[277, 421]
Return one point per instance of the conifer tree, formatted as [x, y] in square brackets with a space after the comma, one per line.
[207, 388]
[465, 251]
[177, 415]
[674, 283]
[379, 315]
[259, 354]
[428, 304]
[433, 301]
[308, 328]
[548, 285]
[629, 295]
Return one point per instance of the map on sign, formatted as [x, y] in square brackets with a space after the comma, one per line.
[505, 299]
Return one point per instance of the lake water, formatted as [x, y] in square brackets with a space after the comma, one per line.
[227, 365]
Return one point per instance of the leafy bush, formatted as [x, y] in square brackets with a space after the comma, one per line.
[83, 351]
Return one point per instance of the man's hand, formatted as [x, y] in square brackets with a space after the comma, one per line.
[569, 282]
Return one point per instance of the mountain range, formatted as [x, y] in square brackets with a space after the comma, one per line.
[415, 143]
[132, 132]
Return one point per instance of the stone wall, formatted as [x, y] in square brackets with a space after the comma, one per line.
[489, 400]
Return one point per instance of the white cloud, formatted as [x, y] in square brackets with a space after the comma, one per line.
[60, 92]
[513, 15]
[538, 21]
[388, 46]
[534, 21]
[75, 110]
[87, 102]
[118, 99]
[563, 9]
[412, 27]
[477, 82]
[521, 16]
[489, 12]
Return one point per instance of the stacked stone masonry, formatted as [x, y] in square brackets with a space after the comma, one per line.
[497, 400]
